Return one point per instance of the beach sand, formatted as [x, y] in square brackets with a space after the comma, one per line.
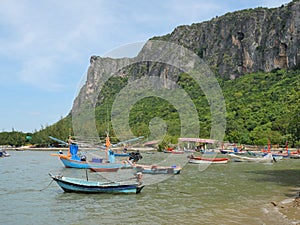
[285, 212]
[290, 208]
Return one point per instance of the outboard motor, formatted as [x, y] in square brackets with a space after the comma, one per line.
[83, 158]
[135, 156]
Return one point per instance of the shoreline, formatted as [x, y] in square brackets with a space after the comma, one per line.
[288, 209]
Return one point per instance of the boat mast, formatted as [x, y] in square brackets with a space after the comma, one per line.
[269, 146]
[107, 145]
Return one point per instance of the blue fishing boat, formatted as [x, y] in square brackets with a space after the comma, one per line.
[69, 163]
[122, 154]
[73, 160]
[69, 184]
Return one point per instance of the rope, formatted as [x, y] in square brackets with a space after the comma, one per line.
[47, 186]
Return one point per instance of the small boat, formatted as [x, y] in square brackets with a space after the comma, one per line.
[69, 163]
[102, 169]
[177, 152]
[295, 156]
[189, 150]
[173, 151]
[3, 153]
[168, 150]
[150, 153]
[235, 151]
[73, 160]
[200, 160]
[69, 184]
[265, 159]
[154, 169]
[283, 155]
[121, 154]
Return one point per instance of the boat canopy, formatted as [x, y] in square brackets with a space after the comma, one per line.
[199, 140]
[73, 151]
[111, 156]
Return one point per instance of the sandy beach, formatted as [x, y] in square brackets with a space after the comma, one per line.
[287, 211]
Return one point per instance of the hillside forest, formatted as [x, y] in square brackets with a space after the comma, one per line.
[259, 107]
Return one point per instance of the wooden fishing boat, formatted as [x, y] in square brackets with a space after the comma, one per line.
[228, 151]
[69, 163]
[265, 159]
[295, 156]
[122, 154]
[69, 184]
[73, 160]
[200, 160]
[173, 151]
[101, 169]
[283, 155]
[168, 150]
[154, 169]
[177, 152]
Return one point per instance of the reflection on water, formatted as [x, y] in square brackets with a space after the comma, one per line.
[236, 193]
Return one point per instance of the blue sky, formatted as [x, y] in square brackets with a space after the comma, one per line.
[45, 46]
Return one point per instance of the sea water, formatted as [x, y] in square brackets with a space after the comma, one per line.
[233, 193]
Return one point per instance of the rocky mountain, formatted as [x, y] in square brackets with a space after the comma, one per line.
[245, 41]
[236, 43]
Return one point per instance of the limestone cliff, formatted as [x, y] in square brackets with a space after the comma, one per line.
[232, 45]
[245, 41]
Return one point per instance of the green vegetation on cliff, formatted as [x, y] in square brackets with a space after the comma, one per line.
[263, 106]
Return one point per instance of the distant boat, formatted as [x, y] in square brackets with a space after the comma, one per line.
[200, 160]
[177, 152]
[150, 153]
[168, 150]
[265, 159]
[173, 151]
[3, 153]
[295, 156]
[283, 155]
[189, 150]
[69, 184]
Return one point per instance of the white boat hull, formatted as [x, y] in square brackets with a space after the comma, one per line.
[266, 159]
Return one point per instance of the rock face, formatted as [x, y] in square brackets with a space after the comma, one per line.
[245, 41]
[236, 43]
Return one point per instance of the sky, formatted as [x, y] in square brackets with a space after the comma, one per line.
[45, 46]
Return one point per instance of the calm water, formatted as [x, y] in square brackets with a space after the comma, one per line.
[236, 193]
